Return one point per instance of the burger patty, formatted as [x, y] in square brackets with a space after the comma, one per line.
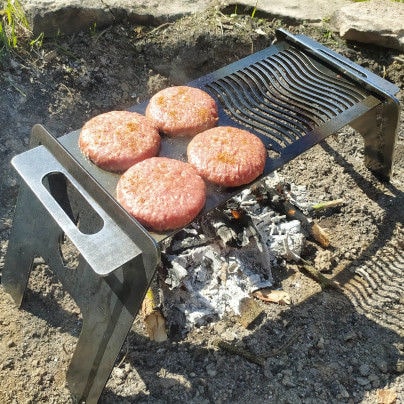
[227, 156]
[182, 111]
[116, 140]
[162, 193]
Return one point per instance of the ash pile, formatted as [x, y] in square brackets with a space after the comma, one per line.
[211, 267]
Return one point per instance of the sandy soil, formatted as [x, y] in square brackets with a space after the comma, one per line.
[342, 346]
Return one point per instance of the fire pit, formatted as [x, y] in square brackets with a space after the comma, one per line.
[292, 95]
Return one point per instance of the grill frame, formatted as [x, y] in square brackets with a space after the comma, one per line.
[109, 292]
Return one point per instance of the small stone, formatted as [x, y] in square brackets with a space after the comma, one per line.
[375, 22]
[362, 381]
[343, 391]
[211, 370]
[323, 260]
[38, 261]
[320, 343]
[350, 335]
[400, 366]
[11, 344]
[364, 369]
[382, 365]
[374, 379]
[288, 382]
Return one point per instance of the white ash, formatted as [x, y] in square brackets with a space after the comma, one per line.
[278, 236]
[213, 285]
[211, 268]
[298, 195]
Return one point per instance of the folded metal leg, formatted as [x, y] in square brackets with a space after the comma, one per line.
[24, 244]
[109, 306]
[379, 130]
[108, 303]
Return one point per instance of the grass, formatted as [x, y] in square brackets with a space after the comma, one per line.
[13, 25]
[254, 10]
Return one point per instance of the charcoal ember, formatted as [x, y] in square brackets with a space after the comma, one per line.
[186, 238]
[225, 233]
[220, 226]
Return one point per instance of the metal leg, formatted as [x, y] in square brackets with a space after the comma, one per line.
[379, 129]
[109, 306]
[22, 245]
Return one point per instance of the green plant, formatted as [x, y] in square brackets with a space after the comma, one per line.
[254, 10]
[93, 29]
[13, 24]
[38, 41]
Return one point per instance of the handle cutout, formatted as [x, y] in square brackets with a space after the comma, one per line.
[76, 207]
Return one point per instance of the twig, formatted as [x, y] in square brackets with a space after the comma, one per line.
[226, 346]
[166, 24]
[398, 59]
[10, 81]
[124, 356]
[319, 234]
[289, 342]
[67, 89]
[329, 204]
[318, 276]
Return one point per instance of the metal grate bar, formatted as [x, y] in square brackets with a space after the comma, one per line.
[284, 96]
[321, 87]
[269, 107]
[255, 111]
[336, 83]
[237, 104]
[295, 104]
[273, 98]
[288, 80]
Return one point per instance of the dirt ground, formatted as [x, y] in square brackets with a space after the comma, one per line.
[328, 346]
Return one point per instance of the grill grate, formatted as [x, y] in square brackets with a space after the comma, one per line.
[284, 97]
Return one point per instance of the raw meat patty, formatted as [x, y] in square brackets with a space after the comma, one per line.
[162, 193]
[227, 156]
[182, 111]
[116, 140]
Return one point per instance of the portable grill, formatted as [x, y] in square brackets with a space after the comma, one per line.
[292, 95]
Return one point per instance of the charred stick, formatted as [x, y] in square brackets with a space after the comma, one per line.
[316, 275]
[226, 346]
[319, 277]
